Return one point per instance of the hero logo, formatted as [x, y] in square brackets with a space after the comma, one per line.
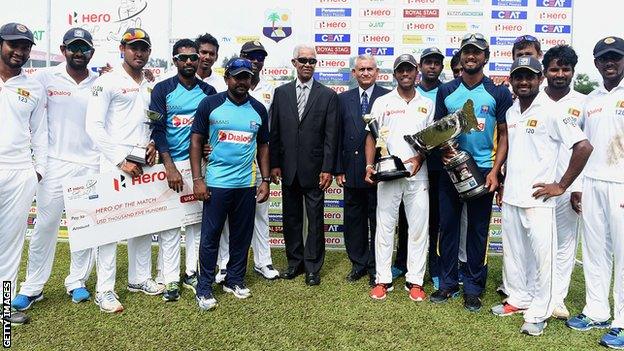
[501, 54]
[276, 71]
[421, 2]
[509, 15]
[430, 13]
[333, 63]
[332, 38]
[554, 3]
[58, 93]
[552, 16]
[552, 28]
[235, 136]
[75, 18]
[332, 24]
[376, 51]
[553, 42]
[338, 88]
[419, 26]
[149, 178]
[508, 27]
[375, 39]
[119, 183]
[377, 12]
[180, 121]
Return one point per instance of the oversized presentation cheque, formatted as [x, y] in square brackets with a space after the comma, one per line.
[108, 207]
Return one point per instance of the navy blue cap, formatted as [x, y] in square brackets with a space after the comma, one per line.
[16, 31]
[430, 52]
[238, 65]
[526, 62]
[609, 44]
[76, 34]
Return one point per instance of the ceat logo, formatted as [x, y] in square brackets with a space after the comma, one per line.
[554, 3]
[509, 14]
[552, 28]
[58, 93]
[119, 183]
[332, 38]
[181, 121]
[235, 136]
[376, 51]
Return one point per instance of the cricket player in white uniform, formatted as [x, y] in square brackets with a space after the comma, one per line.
[403, 111]
[536, 132]
[262, 91]
[603, 198]
[116, 123]
[24, 127]
[71, 153]
[559, 63]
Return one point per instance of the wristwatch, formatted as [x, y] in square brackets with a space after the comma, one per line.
[266, 179]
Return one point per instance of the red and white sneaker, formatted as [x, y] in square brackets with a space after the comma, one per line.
[416, 292]
[379, 291]
[506, 309]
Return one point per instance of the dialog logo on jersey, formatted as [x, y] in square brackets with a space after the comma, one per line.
[235, 136]
[119, 183]
[58, 93]
[180, 121]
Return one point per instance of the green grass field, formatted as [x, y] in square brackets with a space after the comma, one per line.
[286, 315]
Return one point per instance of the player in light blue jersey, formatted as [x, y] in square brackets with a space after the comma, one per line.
[177, 99]
[236, 127]
[488, 147]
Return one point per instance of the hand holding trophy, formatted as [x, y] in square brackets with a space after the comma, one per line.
[387, 166]
[139, 152]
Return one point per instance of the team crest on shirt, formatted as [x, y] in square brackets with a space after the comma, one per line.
[484, 109]
[532, 123]
[266, 97]
[619, 108]
[422, 110]
[574, 112]
[253, 125]
[23, 92]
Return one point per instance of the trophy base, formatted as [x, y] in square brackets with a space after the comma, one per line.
[138, 155]
[466, 176]
[390, 168]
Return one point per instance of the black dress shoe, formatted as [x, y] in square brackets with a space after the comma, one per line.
[472, 303]
[291, 273]
[354, 275]
[18, 318]
[371, 280]
[313, 279]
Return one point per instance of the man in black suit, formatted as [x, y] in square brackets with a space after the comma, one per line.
[360, 198]
[303, 148]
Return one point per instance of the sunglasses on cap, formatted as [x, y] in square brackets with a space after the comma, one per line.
[238, 64]
[526, 37]
[255, 56]
[136, 34]
[305, 60]
[477, 36]
[79, 47]
[184, 57]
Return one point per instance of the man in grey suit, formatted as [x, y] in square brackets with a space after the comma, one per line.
[303, 147]
[360, 198]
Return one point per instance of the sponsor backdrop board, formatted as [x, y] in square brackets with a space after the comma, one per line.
[339, 29]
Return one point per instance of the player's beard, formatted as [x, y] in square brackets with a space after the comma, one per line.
[475, 69]
[76, 66]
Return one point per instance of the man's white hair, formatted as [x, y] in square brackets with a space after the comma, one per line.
[302, 46]
[364, 57]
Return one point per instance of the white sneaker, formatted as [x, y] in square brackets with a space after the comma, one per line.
[220, 276]
[148, 287]
[561, 312]
[240, 291]
[267, 272]
[108, 302]
[206, 303]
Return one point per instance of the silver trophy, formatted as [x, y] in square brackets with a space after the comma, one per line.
[387, 167]
[139, 151]
[462, 168]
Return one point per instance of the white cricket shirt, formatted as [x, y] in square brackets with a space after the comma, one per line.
[66, 110]
[263, 92]
[535, 138]
[216, 81]
[402, 119]
[24, 126]
[604, 126]
[116, 115]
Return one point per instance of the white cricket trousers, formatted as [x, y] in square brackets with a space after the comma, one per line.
[139, 256]
[259, 240]
[169, 253]
[415, 196]
[567, 231]
[603, 245]
[42, 246]
[529, 242]
[17, 188]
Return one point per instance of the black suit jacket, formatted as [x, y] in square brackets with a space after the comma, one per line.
[351, 155]
[305, 148]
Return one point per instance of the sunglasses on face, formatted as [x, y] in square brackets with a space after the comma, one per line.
[477, 36]
[184, 57]
[82, 48]
[255, 56]
[525, 38]
[305, 60]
